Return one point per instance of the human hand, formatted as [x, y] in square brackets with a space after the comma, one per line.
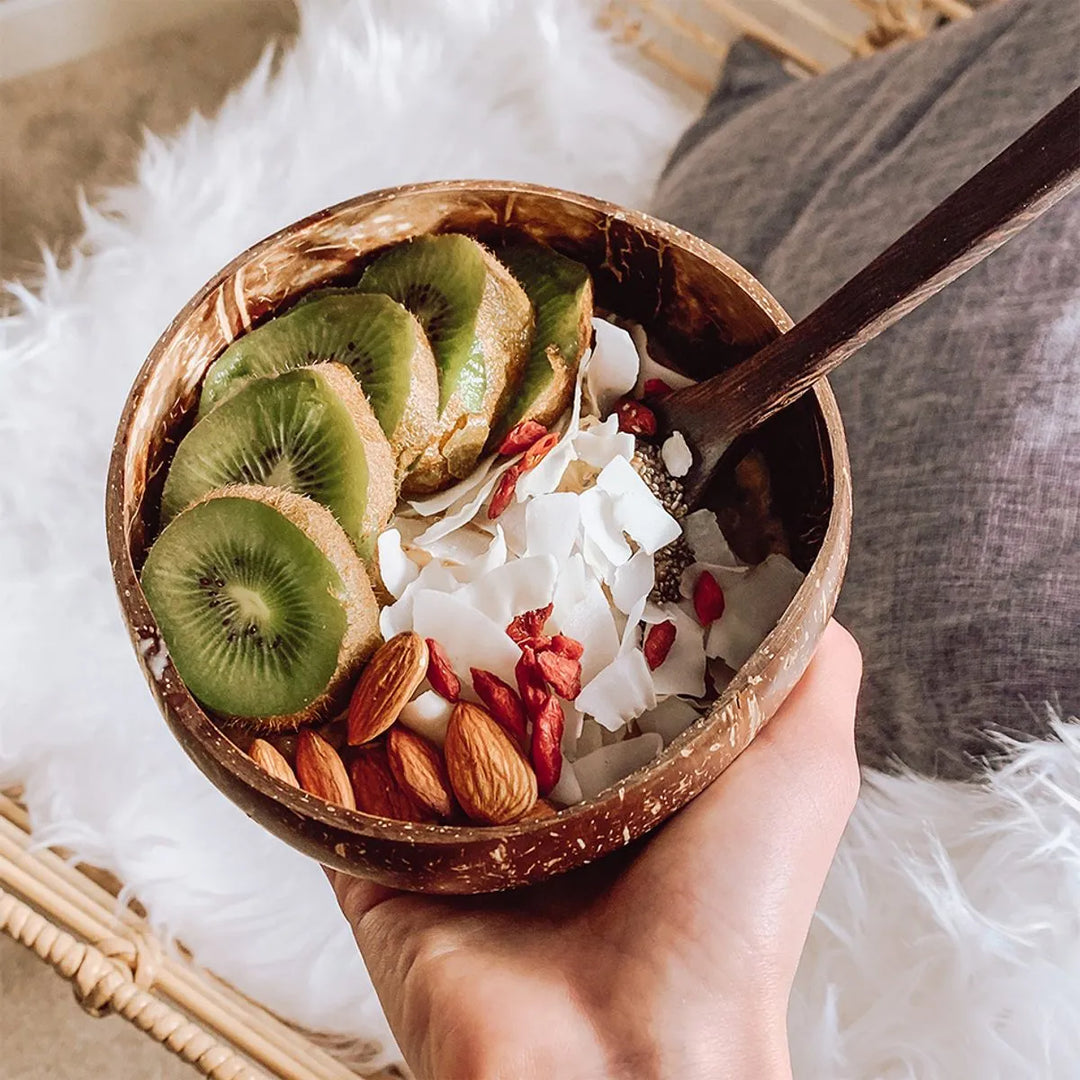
[674, 958]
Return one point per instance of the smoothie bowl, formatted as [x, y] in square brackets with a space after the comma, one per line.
[406, 563]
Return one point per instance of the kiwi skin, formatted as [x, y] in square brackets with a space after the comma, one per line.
[382, 486]
[504, 328]
[550, 280]
[361, 636]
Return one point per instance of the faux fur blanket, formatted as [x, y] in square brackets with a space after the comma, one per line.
[948, 939]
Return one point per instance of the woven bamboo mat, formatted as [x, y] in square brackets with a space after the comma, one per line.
[68, 914]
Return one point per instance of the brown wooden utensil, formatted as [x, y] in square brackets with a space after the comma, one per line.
[1027, 178]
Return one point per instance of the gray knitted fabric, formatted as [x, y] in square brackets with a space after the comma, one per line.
[964, 419]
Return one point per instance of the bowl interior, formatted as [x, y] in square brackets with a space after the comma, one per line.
[701, 311]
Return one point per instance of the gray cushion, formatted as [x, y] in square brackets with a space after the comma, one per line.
[964, 419]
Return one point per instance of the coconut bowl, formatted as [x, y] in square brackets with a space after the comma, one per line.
[702, 312]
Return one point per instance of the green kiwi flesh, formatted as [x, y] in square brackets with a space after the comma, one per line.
[309, 431]
[265, 609]
[479, 323]
[377, 339]
[561, 294]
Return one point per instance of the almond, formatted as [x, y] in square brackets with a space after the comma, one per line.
[542, 809]
[388, 681]
[418, 767]
[321, 770]
[376, 790]
[491, 779]
[270, 760]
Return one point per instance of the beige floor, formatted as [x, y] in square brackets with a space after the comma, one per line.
[74, 125]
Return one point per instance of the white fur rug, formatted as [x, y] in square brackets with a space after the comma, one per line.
[948, 939]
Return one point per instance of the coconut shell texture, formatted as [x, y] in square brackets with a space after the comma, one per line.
[702, 312]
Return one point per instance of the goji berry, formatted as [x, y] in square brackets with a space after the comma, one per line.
[566, 646]
[539, 450]
[636, 418]
[440, 674]
[529, 623]
[708, 599]
[547, 744]
[504, 492]
[502, 702]
[562, 674]
[521, 437]
[656, 388]
[531, 683]
[658, 642]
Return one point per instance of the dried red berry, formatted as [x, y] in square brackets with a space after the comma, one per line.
[504, 492]
[521, 437]
[538, 642]
[547, 744]
[658, 642]
[656, 388]
[440, 674]
[502, 702]
[708, 599]
[539, 450]
[562, 674]
[531, 683]
[566, 646]
[636, 418]
[529, 623]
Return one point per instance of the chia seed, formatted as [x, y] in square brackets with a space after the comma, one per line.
[675, 557]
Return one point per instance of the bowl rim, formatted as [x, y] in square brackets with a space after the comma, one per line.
[179, 706]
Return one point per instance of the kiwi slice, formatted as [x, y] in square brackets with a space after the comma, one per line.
[479, 322]
[561, 294]
[380, 342]
[310, 431]
[264, 606]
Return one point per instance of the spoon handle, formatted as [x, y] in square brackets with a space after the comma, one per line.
[1027, 178]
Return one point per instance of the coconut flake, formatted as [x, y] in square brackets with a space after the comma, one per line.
[650, 369]
[581, 611]
[633, 581]
[753, 604]
[635, 509]
[396, 569]
[469, 637]
[676, 454]
[613, 368]
[629, 638]
[669, 719]
[599, 443]
[508, 590]
[683, 671]
[551, 525]
[600, 525]
[622, 691]
[546, 476]
[702, 532]
[463, 514]
[493, 556]
[603, 768]
[462, 546]
[459, 492]
[427, 715]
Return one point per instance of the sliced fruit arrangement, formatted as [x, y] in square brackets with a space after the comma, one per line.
[264, 605]
[560, 291]
[307, 428]
[310, 431]
[381, 343]
[479, 322]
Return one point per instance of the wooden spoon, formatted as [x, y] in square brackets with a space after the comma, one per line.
[1027, 178]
